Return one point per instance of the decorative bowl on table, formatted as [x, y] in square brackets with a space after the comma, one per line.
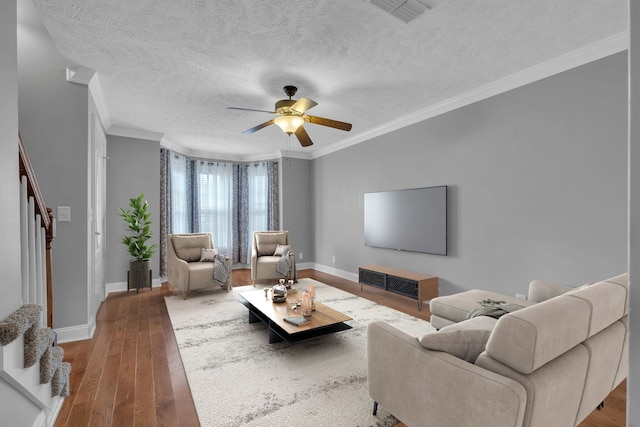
[279, 293]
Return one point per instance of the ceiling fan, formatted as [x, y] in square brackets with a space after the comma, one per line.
[291, 116]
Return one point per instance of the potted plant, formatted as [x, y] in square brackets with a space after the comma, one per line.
[138, 221]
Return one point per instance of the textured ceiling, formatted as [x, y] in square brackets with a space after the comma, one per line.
[173, 66]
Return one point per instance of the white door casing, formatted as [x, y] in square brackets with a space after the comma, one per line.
[98, 210]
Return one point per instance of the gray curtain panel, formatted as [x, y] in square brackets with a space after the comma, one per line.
[165, 207]
[273, 196]
[240, 216]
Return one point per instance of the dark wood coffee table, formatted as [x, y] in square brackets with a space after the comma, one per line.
[324, 320]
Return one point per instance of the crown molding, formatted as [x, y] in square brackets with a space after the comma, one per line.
[598, 50]
[303, 155]
[80, 75]
[200, 154]
[203, 154]
[89, 77]
[134, 133]
[209, 155]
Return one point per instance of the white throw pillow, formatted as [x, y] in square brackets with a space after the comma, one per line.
[207, 255]
[280, 249]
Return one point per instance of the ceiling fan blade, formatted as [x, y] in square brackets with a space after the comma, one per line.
[250, 109]
[328, 122]
[303, 137]
[303, 104]
[260, 126]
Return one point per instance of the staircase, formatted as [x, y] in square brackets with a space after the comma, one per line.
[38, 346]
[34, 380]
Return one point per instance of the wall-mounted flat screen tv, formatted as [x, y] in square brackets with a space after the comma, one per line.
[408, 220]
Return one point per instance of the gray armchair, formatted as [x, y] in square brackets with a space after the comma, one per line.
[184, 268]
[263, 260]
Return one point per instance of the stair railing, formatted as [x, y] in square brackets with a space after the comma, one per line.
[37, 231]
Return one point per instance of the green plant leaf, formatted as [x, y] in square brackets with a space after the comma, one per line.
[138, 220]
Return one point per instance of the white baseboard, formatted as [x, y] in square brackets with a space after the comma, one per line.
[304, 265]
[334, 271]
[76, 333]
[85, 332]
[122, 286]
[157, 282]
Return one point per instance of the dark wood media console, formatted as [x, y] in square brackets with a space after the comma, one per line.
[421, 287]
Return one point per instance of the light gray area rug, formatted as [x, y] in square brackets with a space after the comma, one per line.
[238, 379]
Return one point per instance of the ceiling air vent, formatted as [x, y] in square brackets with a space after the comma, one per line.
[405, 10]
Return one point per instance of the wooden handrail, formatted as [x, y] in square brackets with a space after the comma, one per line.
[32, 184]
[46, 218]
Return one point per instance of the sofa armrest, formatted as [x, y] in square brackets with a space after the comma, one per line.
[541, 291]
[178, 273]
[254, 264]
[425, 387]
[230, 264]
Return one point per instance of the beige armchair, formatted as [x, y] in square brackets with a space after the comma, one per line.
[185, 270]
[263, 260]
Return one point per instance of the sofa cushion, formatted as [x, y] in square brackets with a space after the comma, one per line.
[529, 338]
[622, 280]
[456, 307]
[465, 340]
[266, 242]
[541, 291]
[608, 302]
[189, 248]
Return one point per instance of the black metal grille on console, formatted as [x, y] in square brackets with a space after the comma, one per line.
[372, 278]
[402, 286]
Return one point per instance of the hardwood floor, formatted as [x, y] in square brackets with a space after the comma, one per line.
[130, 373]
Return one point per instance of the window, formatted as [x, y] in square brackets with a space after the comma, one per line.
[215, 203]
[228, 200]
[258, 203]
[179, 195]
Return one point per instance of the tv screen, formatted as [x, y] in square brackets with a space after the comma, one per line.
[408, 220]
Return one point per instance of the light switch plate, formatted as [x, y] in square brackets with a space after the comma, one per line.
[64, 214]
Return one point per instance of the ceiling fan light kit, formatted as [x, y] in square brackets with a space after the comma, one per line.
[291, 117]
[289, 124]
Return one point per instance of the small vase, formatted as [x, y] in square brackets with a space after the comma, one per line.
[312, 293]
[306, 304]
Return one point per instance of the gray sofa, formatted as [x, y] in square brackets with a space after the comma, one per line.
[549, 364]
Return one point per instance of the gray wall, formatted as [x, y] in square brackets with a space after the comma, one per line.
[15, 407]
[633, 383]
[53, 118]
[133, 167]
[537, 183]
[10, 215]
[296, 201]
